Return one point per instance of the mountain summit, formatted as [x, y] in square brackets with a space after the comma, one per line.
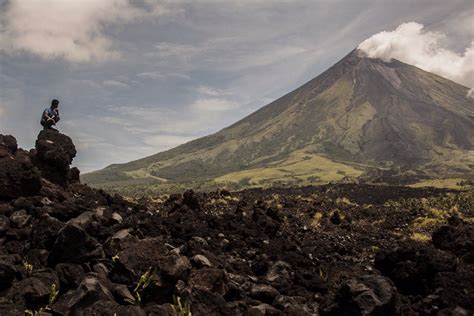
[360, 116]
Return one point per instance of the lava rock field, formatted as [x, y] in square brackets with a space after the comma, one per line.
[336, 249]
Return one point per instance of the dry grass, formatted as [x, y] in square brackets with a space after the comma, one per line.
[420, 237]
[317, 220]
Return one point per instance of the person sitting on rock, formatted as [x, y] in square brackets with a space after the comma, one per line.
[50, 115]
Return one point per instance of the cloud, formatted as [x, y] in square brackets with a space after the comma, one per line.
[210, 91]
[412, 44]
[214, 104]
[115, 83]
[161, 75]
[73, 30]
[163, 142]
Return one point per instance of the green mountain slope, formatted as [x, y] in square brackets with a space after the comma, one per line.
[359, 115]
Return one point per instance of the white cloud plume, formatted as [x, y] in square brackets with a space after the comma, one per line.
[412, 44]
[73, 30]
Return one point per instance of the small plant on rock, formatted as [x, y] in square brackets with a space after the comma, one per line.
[53, 295]
[323, 273]
[28, 267]
[115, 259]
[143, 283]
[180, 309]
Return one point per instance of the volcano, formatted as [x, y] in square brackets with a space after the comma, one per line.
[360, 117]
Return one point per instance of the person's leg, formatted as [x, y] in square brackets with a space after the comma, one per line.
[47, 124]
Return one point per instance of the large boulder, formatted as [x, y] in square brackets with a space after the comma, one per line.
[7, 274]
[53, 156]
[90, 291]
[32, 292]
[18, 176]
[457, 237]
[45, 231]
[371, 295]
[74, 245]
[413, 268]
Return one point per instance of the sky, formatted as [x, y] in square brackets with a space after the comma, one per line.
[136, 77]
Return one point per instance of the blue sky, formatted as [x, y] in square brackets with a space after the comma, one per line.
[135, 77]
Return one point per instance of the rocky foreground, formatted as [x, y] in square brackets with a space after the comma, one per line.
[68, 249]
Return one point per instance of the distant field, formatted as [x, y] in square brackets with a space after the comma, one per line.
[455, 183]
[299, 166]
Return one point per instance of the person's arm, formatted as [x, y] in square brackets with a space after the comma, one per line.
[46, 116]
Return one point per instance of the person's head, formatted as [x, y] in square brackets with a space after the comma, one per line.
[54, 104]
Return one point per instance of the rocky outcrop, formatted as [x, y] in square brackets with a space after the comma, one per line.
[53, 156]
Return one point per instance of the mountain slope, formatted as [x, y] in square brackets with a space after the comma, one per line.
[359, 114]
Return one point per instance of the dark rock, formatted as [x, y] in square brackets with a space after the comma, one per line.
[136, 258]
[117, 242]
[160, 310]
[263, 310]
[335, 218]
[457, 311]
[70, 274]
[457, 237]
[74, 245]
[264, 293]
[454, 288]
[200, 261]
[310, 279]
[84, 220]
[53, 156]
[101, 269]
[130, 311]
[122, 294]
[4, 225]
[10, 309]
[205, 302]
[89, 291]
[279, 274]
[174, 267]
[45, 232]
[20, 219]
[8, 145]
[413, 269]
[213, 280]
[37, 257]
[31, 292]
[294, 305]
[369, 295]
[73, 175]
[18, 177]
[190, 199]
[7, 274]
[195, 246]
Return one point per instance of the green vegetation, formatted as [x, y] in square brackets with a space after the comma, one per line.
[28, 267]
[143, 283]
[180, 309]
